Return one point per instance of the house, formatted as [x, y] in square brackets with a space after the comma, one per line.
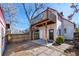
[2, 32]
[50, 24]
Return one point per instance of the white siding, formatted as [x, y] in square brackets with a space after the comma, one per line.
[2, 41]
[69, 30]
[42, 32]
[58, 25]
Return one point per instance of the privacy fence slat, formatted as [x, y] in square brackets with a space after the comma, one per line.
[20, 37]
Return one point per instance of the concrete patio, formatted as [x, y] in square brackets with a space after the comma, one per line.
[34, 49]
[42, 42]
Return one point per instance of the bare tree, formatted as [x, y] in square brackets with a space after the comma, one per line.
[9, 11]
[31, 12]
[76, 10]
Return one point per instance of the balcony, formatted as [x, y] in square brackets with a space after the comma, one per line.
[45, 15]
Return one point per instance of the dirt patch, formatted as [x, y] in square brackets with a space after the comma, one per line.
[72, 51]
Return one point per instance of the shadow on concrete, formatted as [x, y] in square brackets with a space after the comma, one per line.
[70, 42]
[21, 46]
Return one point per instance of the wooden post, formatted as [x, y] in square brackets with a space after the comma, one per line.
[33, 34]
[46, 33]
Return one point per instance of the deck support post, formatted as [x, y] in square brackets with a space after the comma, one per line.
[33, 34]
[46, 33]
[30, 33]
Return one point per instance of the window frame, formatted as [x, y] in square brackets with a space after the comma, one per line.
[59, 32]
[65, 30]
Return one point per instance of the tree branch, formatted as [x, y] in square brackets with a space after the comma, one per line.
[36, 9]
[26, 12]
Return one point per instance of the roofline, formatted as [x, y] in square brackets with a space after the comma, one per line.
[69, 21]
[61, 16]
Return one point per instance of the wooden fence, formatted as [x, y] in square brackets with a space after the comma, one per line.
[20, 37]
[23, 37]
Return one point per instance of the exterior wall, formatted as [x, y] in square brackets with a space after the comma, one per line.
[60, 24]
[69, 30]
[69, 35]
[56, 27]
[2, 33]
[0, 38]
[42, 31]
[52, 26]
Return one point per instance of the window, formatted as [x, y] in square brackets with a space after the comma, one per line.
[60, 32]
[36, 34]
[65, 30]
[7, 26]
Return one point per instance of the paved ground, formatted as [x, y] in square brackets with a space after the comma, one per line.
[33, 49]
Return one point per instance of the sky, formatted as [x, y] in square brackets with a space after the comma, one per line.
[65, 8]
[24, 23]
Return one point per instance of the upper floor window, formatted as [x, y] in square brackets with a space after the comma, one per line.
[60, 32]
[65, 30]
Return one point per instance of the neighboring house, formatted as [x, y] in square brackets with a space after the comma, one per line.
[50, 24]
[2, 32]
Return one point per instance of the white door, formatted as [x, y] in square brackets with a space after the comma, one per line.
[41, 34]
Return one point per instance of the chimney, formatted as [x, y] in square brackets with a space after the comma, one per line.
[61, 13]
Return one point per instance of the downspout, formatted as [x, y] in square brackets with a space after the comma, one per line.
[62, 25]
